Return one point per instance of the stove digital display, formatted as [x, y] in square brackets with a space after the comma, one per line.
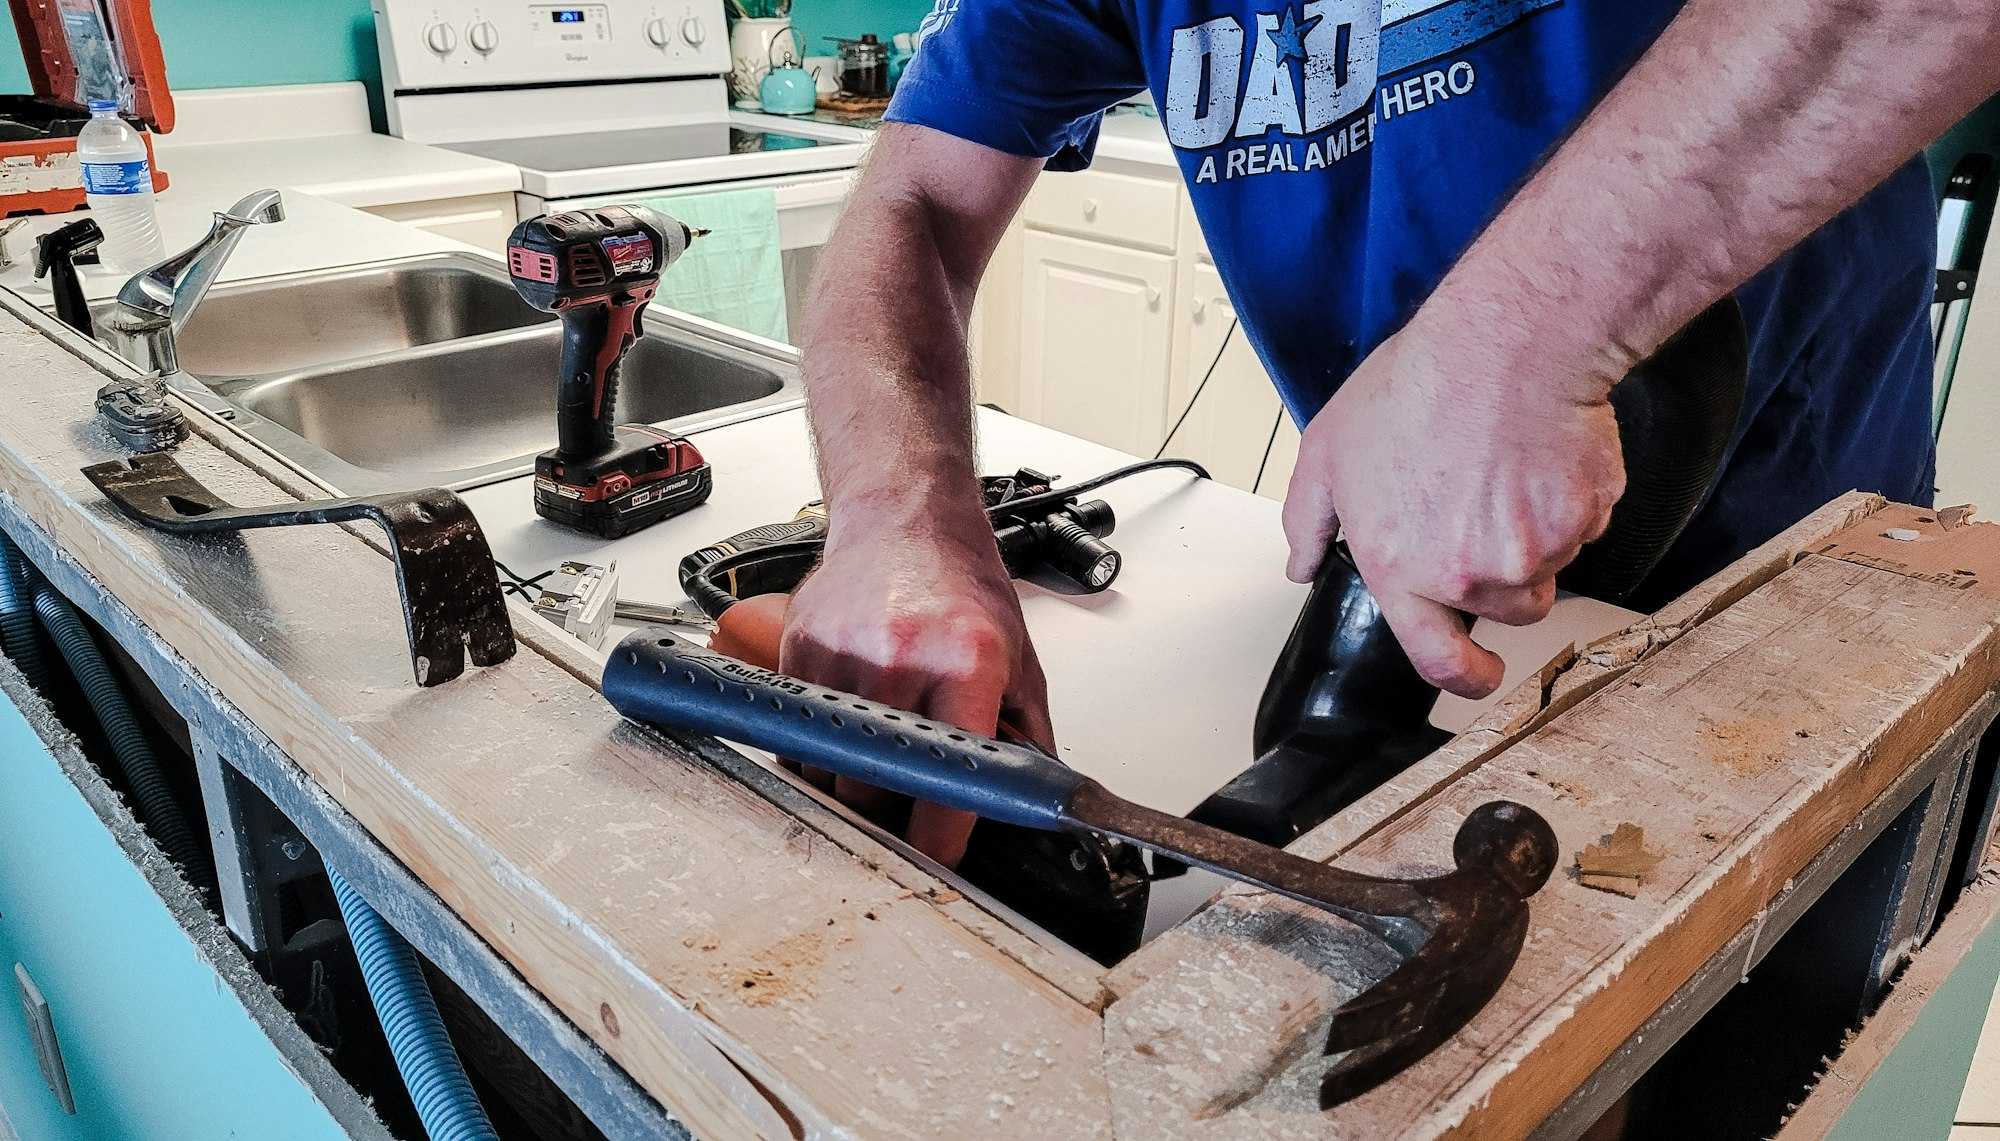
[566, 15]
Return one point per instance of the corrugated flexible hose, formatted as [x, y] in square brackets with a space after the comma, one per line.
[445, 1101]
[157, 809]
[17, 615]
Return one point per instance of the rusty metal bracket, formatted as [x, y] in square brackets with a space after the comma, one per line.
[452, 603]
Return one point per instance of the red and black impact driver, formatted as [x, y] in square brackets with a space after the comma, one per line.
[597, 269]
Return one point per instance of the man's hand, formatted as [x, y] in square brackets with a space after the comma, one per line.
[911, 606]
[1465, 477]
[1472, 455]
[922, 618]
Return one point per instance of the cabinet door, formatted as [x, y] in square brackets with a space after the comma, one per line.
[1228, 412]
[1096, 336]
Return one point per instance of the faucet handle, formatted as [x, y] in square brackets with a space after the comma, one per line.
[175, 286]
[258, 206]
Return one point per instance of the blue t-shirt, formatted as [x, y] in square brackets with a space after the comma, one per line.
[1341, 154]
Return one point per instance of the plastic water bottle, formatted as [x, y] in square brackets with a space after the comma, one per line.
[118, 184]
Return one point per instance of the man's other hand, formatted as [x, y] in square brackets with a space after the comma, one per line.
[922, 618]
[1464, 478]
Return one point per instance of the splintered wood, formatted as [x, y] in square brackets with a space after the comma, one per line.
[1618, 863]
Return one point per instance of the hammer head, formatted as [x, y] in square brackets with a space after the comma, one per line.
[1477, 923]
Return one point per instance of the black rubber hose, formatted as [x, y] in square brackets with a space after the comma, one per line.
[156, 807]
[17, 615]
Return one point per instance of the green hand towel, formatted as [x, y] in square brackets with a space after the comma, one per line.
[733, 275]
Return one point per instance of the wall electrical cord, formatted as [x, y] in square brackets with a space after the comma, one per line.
[1214, 362]
[1198, 389]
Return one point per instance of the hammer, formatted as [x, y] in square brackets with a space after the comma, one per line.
[1459, 933]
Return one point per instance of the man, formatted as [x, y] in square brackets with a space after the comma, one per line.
[1349, 161]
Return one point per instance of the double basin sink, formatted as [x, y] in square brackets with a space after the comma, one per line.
[432, 372]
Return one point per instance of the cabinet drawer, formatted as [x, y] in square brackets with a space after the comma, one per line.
[1109, 207]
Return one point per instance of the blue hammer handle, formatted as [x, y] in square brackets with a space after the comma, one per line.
[656, 677]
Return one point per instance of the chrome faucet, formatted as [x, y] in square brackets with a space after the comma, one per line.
[156, 303]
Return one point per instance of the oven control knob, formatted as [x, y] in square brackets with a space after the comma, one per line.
[440, 38]
[656, 32]
[693, 32]
[483, 37]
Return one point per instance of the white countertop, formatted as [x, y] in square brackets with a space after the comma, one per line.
[350, 169]
[232, 141]
[315, 138]
[1153, 684]
[316, 234]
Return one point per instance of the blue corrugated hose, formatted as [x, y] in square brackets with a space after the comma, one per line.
[424, 1055]
[148, 786]
[17, 617]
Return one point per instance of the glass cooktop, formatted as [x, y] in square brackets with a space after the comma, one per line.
[560, 153]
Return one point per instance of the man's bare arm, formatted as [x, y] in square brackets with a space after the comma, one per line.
[1743, 129]
[911, 606]
[1473, 453]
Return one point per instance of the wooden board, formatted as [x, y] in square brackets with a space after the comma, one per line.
[695, 930]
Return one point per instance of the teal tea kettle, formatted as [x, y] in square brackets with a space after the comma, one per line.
[787, 89]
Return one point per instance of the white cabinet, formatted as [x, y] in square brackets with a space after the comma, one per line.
[1229, 414]
[1100, 316]
[1096, 330]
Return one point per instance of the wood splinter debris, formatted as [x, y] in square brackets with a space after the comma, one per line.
[1951, 518]
[1617, 863]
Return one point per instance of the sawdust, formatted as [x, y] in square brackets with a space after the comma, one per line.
[1618, 863]
[787, 968]
[1748, 745]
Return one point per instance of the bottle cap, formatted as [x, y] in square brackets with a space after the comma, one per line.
[97, 105]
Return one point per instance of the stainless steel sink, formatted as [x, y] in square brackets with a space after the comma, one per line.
[279, 324]
[432, 372]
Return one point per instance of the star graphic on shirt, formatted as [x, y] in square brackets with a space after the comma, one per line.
[1289, 37]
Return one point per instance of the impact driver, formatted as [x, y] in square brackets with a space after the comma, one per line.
[596, 269]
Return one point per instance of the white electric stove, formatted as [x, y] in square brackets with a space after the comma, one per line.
[614, 99]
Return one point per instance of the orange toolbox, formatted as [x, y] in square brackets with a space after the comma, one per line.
[76, 51]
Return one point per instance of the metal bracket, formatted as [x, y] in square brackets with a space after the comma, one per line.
[451, 596]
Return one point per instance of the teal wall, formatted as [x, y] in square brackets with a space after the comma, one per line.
[239, 43]
[815, 19]
[158, 1047]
